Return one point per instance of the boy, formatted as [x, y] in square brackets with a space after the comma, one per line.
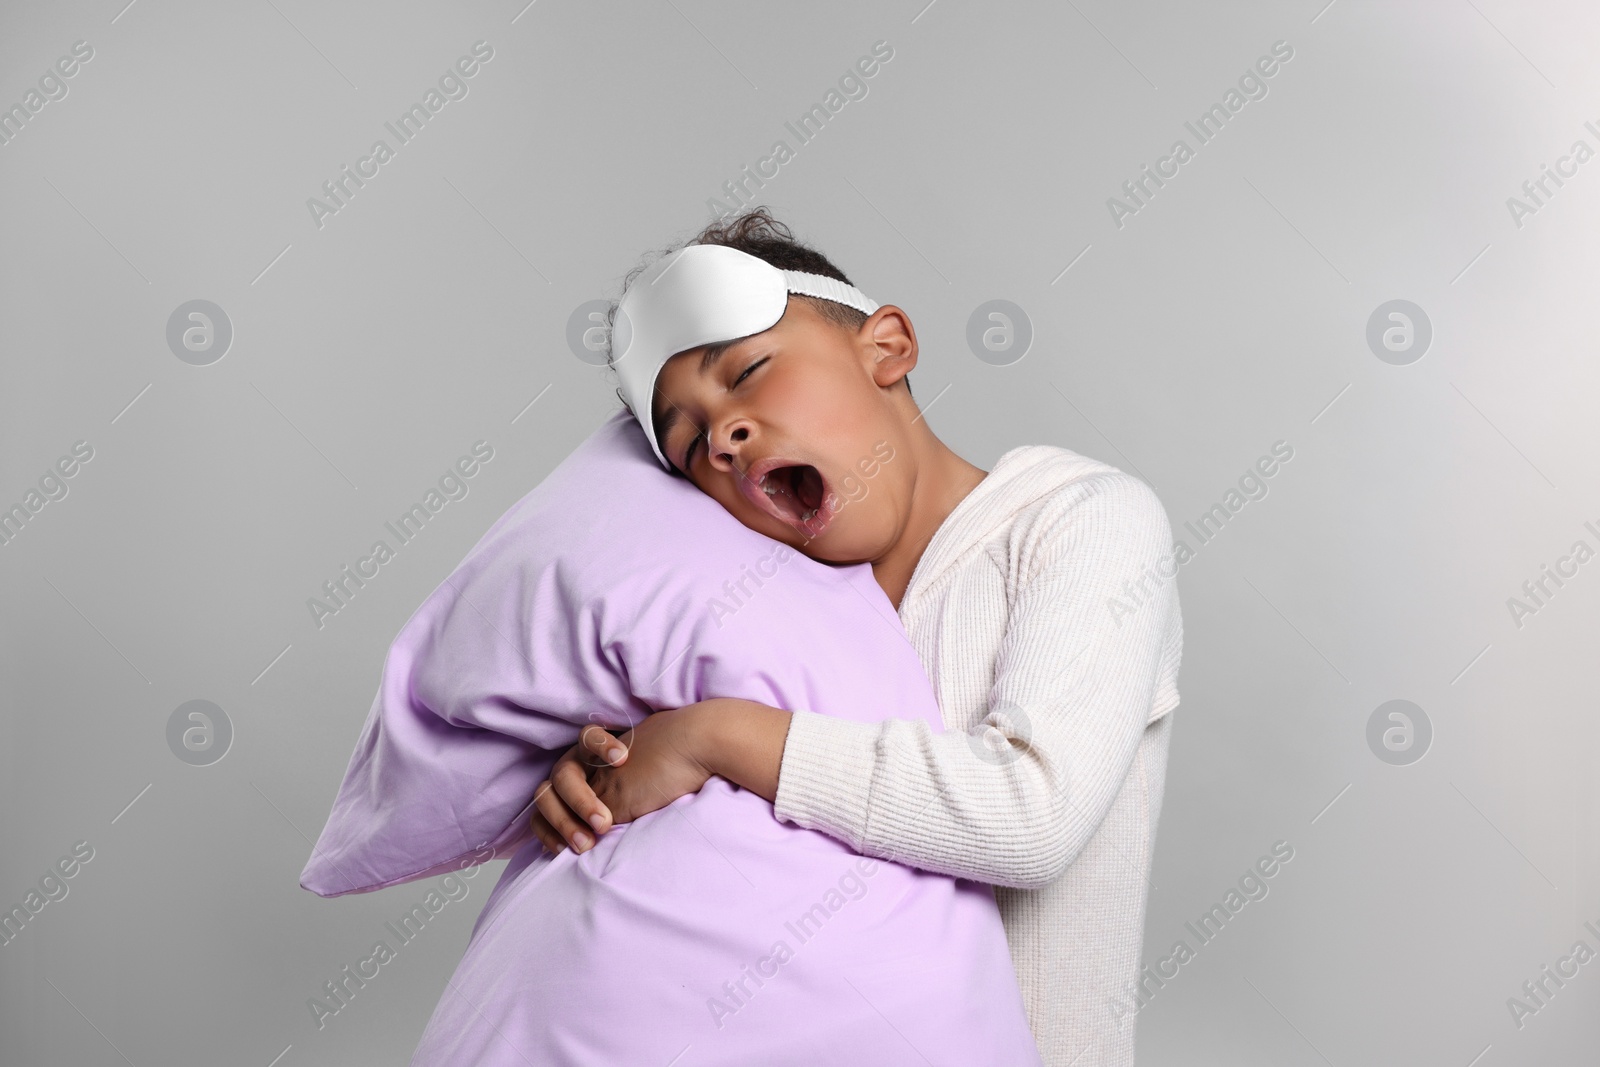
[1048, 780]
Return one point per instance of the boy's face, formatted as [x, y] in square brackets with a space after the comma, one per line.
[797, 430]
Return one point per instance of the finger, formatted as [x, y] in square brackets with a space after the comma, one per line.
[561, 819]
[571, 784]
[603, 746]
[545, 834]
[607, 788]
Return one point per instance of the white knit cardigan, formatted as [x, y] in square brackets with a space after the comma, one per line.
[1045, 609]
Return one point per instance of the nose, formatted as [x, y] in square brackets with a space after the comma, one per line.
[726, 439]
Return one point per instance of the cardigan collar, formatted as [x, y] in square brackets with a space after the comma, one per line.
[1019, 477]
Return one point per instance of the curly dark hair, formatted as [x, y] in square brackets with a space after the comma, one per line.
[757, 233]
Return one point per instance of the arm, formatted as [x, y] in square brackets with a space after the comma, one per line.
[1012, 805]
[1082, 675]
[606, 779]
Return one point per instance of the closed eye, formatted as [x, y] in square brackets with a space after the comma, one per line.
[751, 367]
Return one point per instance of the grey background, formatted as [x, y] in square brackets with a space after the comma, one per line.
[1228, 314]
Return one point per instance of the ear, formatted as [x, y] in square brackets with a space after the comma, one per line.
[890, 341]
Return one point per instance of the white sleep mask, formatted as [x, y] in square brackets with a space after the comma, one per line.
[701, 295]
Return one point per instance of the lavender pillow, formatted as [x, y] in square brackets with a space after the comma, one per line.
[708, 928]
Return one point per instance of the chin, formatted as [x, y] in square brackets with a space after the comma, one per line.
[842, 547]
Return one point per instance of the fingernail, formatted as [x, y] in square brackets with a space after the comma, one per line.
[598, 821]
[580, 841]
[614, 754]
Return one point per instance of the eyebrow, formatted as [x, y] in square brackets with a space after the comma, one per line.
[709, 357]
[670, 417]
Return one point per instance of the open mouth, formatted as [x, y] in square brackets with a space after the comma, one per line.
[797, 491]
[793, 494]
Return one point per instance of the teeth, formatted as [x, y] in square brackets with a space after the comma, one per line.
[808, 516]
[768, 488]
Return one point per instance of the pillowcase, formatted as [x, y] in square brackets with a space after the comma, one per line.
[609, 591]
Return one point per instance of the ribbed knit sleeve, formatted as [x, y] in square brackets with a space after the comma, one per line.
[1087, 609]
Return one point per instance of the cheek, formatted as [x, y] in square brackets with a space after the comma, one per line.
[726, 493]
[828, 410]
[812, 401]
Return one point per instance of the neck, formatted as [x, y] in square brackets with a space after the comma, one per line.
[940, 480]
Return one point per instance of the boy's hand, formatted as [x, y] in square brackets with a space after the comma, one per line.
[564, 802]
[606, 779]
